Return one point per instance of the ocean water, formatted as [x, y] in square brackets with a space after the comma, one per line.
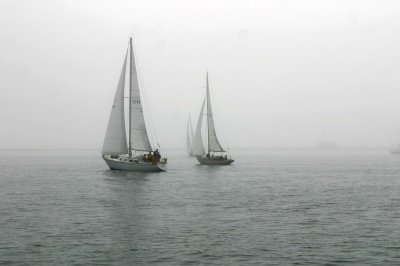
[268, 208]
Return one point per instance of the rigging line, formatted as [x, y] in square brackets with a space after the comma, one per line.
[145, 99]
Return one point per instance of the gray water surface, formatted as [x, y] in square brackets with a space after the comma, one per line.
[276, 208]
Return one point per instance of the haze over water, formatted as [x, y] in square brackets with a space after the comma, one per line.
[268, 208]
[283, 73]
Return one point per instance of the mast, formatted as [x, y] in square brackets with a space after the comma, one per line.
[208, 131]
[130, 92]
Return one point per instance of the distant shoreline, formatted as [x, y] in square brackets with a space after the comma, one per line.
[234, 148]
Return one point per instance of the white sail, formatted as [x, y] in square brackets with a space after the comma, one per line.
[115, 140]
[198, 147]
[138, 139]
[191, 131]
[189, 138]
[213, 143]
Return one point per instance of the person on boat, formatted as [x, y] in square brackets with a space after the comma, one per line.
[148, 157]
[157, 154]
[208, 155]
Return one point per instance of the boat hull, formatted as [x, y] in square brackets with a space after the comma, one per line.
[139, 166]
[206, 161]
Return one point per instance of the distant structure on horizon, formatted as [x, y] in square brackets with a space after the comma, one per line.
[395, 150]
[327, 145]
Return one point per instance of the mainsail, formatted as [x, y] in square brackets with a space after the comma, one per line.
[138, 139]
[115, 140]
[189, 138]
[213, 143]
[191, 131]
[198, 147]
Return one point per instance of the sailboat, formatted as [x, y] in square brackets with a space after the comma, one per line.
[138, 154]
[189, 138]
[395, 150]
[215, 153]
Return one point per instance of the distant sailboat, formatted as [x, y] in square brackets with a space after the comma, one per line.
[138, 155]
[395, 150]
[189, 138]
[215, 152]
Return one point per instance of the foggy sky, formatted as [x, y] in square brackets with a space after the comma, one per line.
[282, 73]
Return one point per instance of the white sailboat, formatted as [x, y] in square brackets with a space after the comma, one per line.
[138, 155]
[215, 154]
[395, 150]
[189, 138]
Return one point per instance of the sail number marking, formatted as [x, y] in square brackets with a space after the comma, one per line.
[136, 100]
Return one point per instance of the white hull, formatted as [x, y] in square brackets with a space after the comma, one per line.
[206, 161]
[126, 164]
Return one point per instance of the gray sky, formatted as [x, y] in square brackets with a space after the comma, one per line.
[282, 73]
